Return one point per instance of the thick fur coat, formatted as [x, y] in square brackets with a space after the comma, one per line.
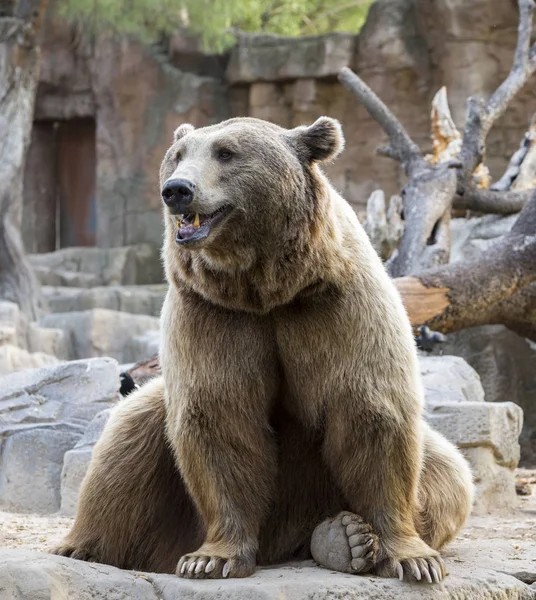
[290, 389]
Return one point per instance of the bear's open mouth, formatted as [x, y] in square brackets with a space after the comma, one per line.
[193, 227]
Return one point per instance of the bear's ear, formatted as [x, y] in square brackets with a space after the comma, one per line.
[182, 130]
[321, 141]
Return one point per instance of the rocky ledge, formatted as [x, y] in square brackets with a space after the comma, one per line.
[30, 575]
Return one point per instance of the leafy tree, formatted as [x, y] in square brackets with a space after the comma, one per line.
[217, 20]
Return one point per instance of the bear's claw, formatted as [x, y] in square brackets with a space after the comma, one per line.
[202, 566]
[431, 569]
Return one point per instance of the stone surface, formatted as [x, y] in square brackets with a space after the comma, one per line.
[13, 358]
[76, 462]
[142, 99]
[486, 432]
[139, 299]
[102, 332]
[506, 365]
[28, 574]
[89, 267]
[449, 379]
[15, 330]
[43, 413]
[273, 58]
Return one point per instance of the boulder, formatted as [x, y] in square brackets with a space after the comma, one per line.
[139, 299]
[486, 432]
[102, 332]
[76, 462]
[43, 413]
[26, 574]
[449, 379]
[90, 267]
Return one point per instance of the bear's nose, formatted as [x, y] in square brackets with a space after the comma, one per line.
[178, 194]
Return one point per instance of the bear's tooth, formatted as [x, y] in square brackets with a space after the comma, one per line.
[196, 220]
[178, 222]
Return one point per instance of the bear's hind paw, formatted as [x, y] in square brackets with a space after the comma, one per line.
[73, 552]
[345, 543]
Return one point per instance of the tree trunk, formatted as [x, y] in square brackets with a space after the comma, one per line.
[499, 288]
[19, 70]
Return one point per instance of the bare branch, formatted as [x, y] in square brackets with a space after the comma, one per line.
[402, 147]
[480, 116]
[498, 288]
[489, 201]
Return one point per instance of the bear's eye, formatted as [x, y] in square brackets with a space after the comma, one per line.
[224, 154]
[178, 157]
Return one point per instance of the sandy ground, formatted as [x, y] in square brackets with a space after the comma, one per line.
[35, 532]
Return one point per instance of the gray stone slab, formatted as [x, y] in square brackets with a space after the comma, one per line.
[26, 575]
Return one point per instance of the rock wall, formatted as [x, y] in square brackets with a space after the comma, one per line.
[138, 94]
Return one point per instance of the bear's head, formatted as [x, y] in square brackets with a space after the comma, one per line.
[244, 183]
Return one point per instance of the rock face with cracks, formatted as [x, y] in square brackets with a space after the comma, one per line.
[43, 413]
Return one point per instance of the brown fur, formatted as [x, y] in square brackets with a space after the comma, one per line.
[290, 386]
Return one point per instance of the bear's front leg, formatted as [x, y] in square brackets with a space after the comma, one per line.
[221, 378]
[376, 457]
[229, 469]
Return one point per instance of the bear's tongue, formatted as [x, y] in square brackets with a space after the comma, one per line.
[188, 225]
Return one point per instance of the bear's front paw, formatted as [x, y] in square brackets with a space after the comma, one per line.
[430, 569]
[204, 566]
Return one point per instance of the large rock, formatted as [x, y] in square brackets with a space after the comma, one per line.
[138, 299]
[273, 58]
[486, 432]
[76, 463]
[33, 341]
[102, 332]
[43, 413]
[449, 379]
[32, 575]
[506, 364]
[90, 267]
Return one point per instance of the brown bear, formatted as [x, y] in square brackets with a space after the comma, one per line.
[290, 406]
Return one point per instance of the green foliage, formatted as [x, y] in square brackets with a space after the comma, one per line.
[217, 20]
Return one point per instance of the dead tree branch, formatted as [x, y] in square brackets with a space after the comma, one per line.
[481, 116]
[489, 201]
[426, 198]
[402, 148]
[455, 176]
[499, 288]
